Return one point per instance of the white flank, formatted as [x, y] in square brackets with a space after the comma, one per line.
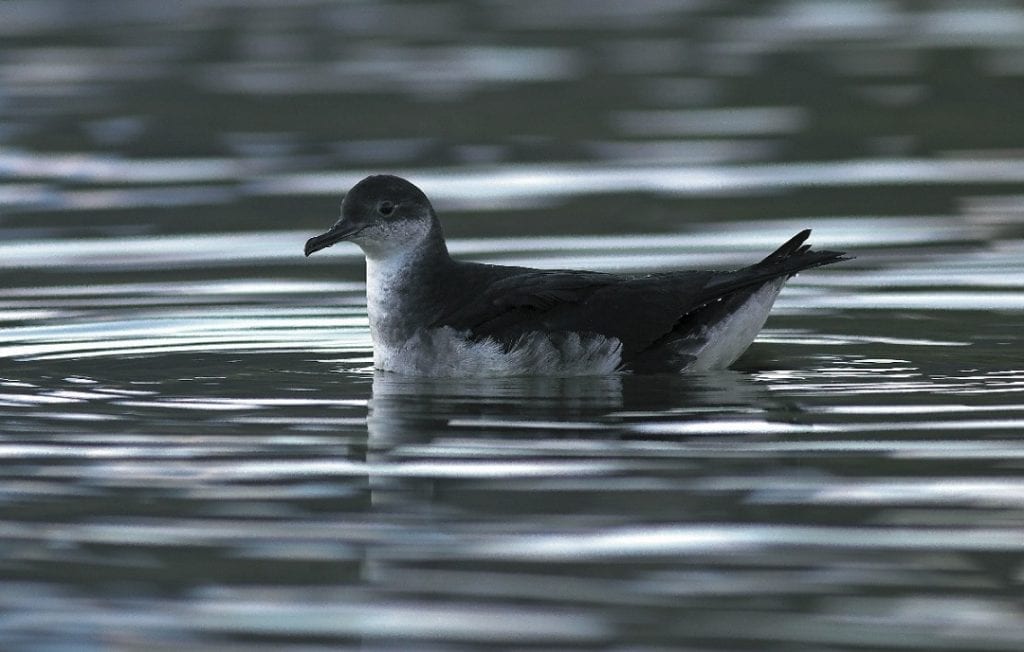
[725, 341]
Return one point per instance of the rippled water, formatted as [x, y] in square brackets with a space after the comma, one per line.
[195, 452]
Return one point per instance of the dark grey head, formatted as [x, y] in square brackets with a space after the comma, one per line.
[380, 214]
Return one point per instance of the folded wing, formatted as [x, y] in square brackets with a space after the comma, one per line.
[640, 311]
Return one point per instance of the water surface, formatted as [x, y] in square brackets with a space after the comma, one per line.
[195, 451]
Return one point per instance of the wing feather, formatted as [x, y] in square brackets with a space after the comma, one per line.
[640, 311]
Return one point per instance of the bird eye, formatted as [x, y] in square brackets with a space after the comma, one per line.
[386, 208]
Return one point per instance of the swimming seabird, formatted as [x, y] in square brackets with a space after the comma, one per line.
[431, 315]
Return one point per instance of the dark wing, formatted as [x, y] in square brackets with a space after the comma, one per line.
[635, 310]
[640, 311]
[521, 297]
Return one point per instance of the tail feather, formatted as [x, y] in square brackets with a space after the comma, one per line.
[794, 245]
[792, 257]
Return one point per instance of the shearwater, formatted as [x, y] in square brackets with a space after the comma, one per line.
[431, 315]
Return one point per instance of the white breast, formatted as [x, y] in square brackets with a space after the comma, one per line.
[384, 279]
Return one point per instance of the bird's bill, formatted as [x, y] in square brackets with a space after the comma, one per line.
[337, 233]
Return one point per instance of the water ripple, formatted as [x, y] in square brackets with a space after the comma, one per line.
[196, 452]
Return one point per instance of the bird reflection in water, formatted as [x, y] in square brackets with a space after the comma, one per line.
[424, 429]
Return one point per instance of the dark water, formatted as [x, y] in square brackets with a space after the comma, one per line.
[195, 453]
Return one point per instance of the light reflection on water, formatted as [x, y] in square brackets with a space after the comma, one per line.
[512, 182]
[194, 450]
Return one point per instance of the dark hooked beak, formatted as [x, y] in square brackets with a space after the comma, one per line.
[337, 233]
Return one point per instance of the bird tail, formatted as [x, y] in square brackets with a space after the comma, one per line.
[794, 256]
